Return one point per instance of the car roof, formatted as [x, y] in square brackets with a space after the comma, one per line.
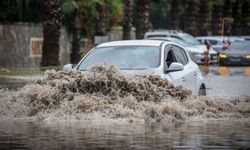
[132, 43]
[160, 38]
[171, 32]
[219, 38]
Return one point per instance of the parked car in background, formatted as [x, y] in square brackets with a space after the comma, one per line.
[219, 42]
[136, 57]
[194, 48]
[238, 53]
[247, 38]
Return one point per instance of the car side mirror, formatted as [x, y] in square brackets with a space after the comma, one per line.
[68, 67]
[174, 66]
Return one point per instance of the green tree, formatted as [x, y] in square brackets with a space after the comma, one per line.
[159, 14]
[51, 32]
[227, 9]
[12, 11]
[245, 18]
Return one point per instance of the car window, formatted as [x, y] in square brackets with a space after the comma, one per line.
[213, 42]
[200, 41]
[180, 41]
[124, 57]
[190, 39]
[159, 35]
[169, 55]
[240, 46]
[180, 55]
[184, 56]
[172, 36]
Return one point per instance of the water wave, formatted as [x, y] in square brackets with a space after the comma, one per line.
[104, 92]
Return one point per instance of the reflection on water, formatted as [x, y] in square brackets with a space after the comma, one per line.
[86, 135]
[224, 70]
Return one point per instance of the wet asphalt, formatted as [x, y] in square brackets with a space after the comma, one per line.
[227, 82]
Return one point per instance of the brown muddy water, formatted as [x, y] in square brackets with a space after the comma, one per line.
[103, 109]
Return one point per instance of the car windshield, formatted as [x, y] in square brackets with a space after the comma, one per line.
[124, 57]
[240, 46]
[171, 39]
[189, 39]
[182, 43]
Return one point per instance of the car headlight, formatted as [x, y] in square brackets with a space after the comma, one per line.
[221, 55]
[247, 56]
[196, 57]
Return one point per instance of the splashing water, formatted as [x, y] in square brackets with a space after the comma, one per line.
[105, 93]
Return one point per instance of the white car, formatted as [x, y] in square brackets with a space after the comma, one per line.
[218, 42]
[194, 48]
[167, 59]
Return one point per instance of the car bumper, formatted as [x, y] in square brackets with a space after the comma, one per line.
[235, 61]
[200, 59]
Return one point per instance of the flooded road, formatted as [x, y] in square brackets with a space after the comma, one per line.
[124, 122]
[87, 135]
[228, 82]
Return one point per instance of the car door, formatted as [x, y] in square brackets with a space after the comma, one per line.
[189, 69]
[186, 78]
[169, 57]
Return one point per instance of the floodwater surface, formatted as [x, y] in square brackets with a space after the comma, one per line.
[102, 109]
[87, 135]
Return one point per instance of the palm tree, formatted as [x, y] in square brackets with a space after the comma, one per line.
[76, 38]
[216, 19]
[142, 22]
[227, 8]
[128, 18]
[175, 14]
[203, 18]
[191, 17]
[51, 32]
[246, 17]
[237, 18]
[102, 21]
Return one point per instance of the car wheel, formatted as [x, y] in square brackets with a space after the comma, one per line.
[202, 90]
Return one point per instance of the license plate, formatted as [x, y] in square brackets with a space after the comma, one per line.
[235, 59]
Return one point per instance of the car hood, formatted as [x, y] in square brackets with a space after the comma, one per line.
[133, 73]
[200, 49]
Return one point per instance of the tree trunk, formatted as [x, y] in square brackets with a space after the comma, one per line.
[76, 37]
[191, 17]
[102, 21]
[51, 32]
[246, 18]
[142, 25]
[216, 19]
[128, 18]
[203, 18]
[237, 18]
[175, 15]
